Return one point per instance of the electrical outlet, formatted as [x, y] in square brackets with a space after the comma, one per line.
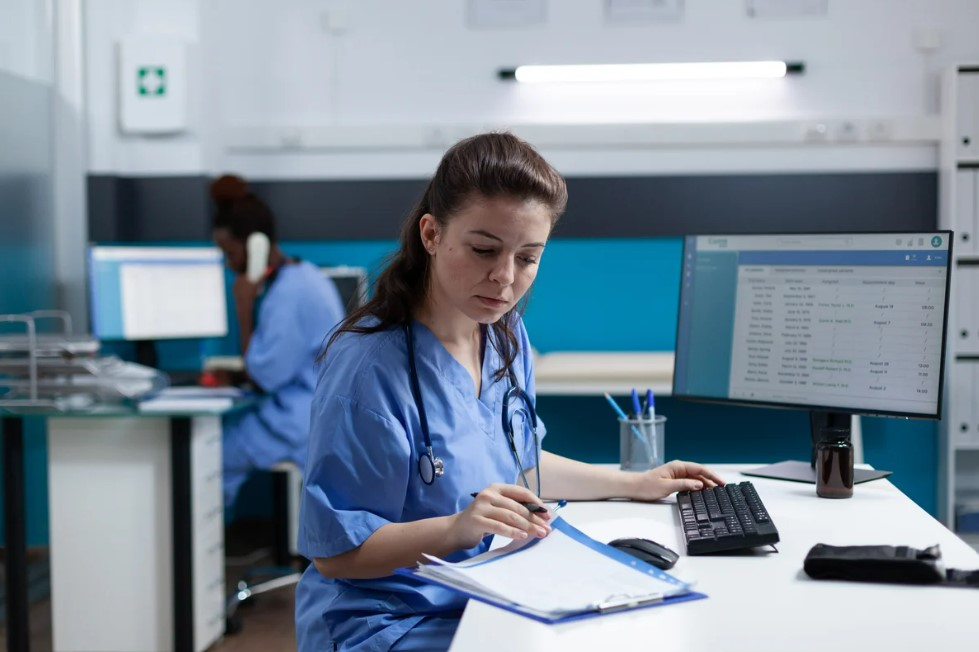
[815, 132]
[846, 132]
[880, 130]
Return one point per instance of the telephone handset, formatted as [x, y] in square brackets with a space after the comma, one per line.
[257, 261]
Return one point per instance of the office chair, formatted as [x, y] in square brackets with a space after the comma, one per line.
[286, 487]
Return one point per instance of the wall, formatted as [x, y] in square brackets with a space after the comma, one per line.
[27, 232]
[306, 90]
[280, 70]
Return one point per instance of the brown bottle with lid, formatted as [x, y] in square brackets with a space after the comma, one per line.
[834, 468]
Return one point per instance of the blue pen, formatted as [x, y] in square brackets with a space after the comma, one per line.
[650, 404]
[637, 410]
[622, 415]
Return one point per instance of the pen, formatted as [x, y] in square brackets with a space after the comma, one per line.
[635, 404]
[650, 404]
[533, 507]
[622, 415]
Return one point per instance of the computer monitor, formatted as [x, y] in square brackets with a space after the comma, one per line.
[151, 293]
[351, 283]
[837, 324]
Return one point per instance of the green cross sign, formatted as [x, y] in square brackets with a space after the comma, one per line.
[151, 81]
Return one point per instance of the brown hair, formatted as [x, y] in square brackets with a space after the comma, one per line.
[239, 210]
[488, 165]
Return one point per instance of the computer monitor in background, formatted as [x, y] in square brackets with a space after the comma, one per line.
[144, 294]
[351, 282]
[837, 324]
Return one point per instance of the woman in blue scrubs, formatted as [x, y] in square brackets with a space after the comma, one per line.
[393, 462]
[283, 319]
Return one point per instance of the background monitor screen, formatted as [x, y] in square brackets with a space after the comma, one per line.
[851, 323]
[351, 283]
[144, 293]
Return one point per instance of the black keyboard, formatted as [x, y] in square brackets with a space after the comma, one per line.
[718, 519]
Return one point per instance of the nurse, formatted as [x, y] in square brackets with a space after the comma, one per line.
[425, 396]
[283, 319]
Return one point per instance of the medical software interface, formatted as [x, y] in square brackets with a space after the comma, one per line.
[850, 321]
[144, 293]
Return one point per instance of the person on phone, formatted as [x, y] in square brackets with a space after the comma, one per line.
[285, 308]
[424, 436]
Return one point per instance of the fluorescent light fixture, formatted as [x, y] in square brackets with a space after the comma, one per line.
[652, 71]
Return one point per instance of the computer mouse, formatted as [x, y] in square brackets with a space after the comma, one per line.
[649, 551]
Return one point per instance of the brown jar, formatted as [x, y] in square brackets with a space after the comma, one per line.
[834, 468]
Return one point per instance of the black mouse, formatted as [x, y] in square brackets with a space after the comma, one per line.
[649, 551]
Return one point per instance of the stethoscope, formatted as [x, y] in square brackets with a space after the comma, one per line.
[431, 466]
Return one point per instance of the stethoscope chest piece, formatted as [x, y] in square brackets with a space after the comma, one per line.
[430, 466]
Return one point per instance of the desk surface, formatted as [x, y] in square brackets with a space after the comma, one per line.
[762, 601]
[595, 372]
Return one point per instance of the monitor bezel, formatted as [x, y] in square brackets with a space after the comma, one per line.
[90, 288]
[937, 416]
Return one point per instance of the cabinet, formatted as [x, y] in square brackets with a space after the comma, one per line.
[137, 526]
[959, 211]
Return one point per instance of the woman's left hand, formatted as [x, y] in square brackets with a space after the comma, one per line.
[674, 476]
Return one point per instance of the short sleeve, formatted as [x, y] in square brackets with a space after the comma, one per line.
[356, 476]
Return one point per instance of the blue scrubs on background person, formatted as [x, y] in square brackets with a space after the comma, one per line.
[362, 474]
[285, 310]
[297, 312]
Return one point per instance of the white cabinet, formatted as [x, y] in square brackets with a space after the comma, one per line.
[967, 113]
[959, 210]
[114, 484]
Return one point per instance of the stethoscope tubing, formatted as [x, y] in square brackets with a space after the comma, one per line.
[429, 465]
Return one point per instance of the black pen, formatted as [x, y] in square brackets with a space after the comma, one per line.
[533, 507]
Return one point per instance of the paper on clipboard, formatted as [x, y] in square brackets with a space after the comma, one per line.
[571, 575]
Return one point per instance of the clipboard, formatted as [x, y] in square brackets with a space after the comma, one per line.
[585, 573]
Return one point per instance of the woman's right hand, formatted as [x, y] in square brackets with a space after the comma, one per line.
[497, 509]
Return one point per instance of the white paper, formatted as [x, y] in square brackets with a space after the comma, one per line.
[557, 576]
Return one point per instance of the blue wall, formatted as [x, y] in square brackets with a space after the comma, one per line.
[621, 295]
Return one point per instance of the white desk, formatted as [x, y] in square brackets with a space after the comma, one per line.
[595, 372]
[764, 601]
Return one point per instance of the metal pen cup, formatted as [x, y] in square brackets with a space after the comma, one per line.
[642, 443]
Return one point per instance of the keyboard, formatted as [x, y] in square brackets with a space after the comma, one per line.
[718, 519]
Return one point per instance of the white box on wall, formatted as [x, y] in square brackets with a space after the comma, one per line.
[152, 85]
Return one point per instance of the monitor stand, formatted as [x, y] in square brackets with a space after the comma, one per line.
[146, 353]
[821, 425]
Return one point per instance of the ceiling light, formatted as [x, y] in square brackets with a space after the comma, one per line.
[652, 71]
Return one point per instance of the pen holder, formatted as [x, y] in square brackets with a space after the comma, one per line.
[641, 443]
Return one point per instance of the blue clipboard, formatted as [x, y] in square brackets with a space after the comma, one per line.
[599, 609]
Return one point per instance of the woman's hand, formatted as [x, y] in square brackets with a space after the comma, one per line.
[497, 509]
[674, 476]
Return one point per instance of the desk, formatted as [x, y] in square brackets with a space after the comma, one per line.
[137, 539]
[595, 372]
[764, 601]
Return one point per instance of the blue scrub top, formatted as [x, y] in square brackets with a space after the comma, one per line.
[299, 309]
[361, 473]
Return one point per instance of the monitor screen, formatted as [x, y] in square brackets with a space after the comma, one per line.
[145, 293]
[351, 283]
[851, 323]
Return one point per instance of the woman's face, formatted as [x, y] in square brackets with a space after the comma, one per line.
[486, 257]
[234, 250]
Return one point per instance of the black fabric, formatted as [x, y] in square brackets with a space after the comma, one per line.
[895, 564]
